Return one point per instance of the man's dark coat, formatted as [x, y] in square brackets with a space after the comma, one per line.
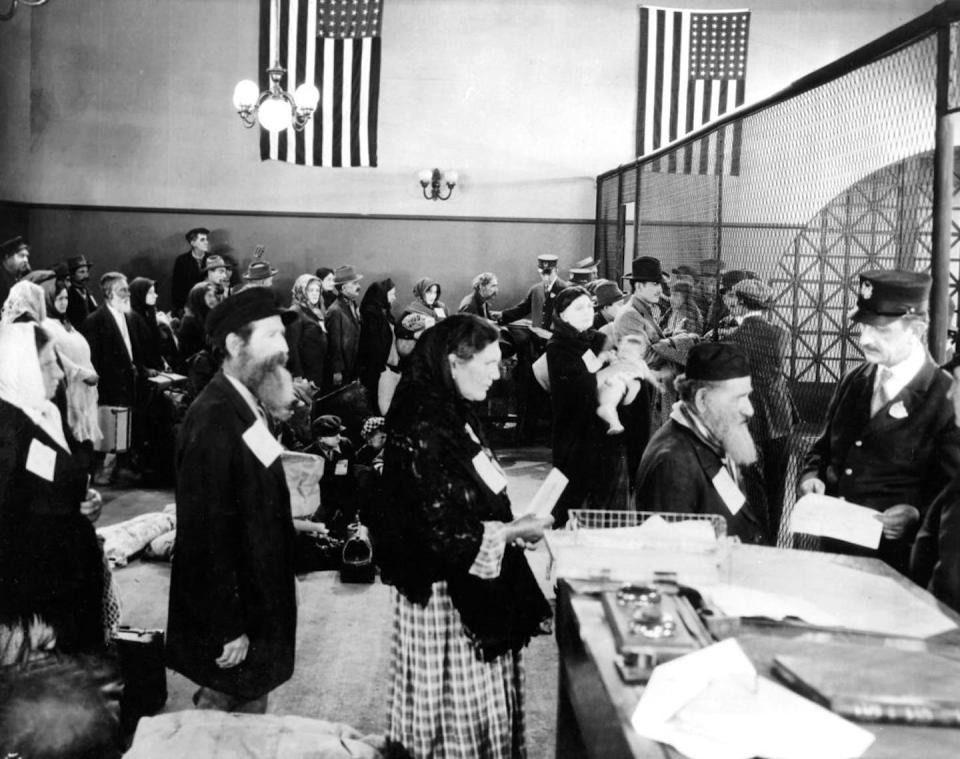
[676, 475]
[80, 304]
[108, 353]
[892, 458]
[343, 330]
[233, 568]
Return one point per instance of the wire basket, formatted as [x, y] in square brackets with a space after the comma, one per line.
[602, 519]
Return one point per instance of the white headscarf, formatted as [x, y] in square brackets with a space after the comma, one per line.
[21, 379]
[25, 298]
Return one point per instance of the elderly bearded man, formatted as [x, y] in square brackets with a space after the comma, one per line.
[233, 613]
[890, 442]
[698, 461]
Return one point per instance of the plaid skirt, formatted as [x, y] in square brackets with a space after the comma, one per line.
[446, 702]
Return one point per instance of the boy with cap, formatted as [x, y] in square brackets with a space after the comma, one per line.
[188, 267]
[233, 614]
[889, 442]
[699, 461]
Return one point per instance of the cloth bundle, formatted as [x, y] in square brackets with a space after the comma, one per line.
[123, 540]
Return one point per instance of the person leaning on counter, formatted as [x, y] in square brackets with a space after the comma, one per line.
[890, 442]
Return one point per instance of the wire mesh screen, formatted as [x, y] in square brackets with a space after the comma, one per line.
[808, 192]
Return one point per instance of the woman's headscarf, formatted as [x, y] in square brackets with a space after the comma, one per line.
[375, 299]
[51, 289]
[25, 302]
[300, 296]
[427, 375]
[21, 378]
[196, 300]
[138, 298]
[420, 290]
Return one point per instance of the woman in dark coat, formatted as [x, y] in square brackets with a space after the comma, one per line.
[307, 336]
[376, 333]
[51, 567]
[143, 301]
[465, 600]
[593, 461]
[201, 298]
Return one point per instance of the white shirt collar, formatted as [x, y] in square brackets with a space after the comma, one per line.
[900, 375]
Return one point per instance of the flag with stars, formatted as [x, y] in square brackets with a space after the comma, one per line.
[336, 45]
[693, 67]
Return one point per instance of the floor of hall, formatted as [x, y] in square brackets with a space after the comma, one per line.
[343, 635]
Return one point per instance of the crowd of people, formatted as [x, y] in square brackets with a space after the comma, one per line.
[669, 397]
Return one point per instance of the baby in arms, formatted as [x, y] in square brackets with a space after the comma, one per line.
[619, 383]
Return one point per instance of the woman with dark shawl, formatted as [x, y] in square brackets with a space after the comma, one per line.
[426, 300]
[149, 338]
[376, 334]
[307, 336]
[465, 600]
[201, 298]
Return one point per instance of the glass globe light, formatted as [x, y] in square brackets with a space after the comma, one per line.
[425, 176]
[450, 177]
[275, 115]
[245, 94]
[306, 96]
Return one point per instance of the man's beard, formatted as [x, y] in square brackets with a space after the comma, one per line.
[122, 305]
[270, 382]
[732, 431]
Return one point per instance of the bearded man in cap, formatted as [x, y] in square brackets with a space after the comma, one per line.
[14, 264]
[233, 612]
[700, 461]
[188, 267]
[80, 301]
[890, 442]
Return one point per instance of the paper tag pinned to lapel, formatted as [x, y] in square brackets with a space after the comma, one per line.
[727, 489]
[898, 410]
[591, 361]
[342, 467]
[41, 460]
[489, 472]
[263, 445]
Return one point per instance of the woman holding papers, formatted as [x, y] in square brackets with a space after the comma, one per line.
[465, 600]
[51, 568]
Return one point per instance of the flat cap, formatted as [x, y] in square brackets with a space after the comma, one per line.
[327, 425]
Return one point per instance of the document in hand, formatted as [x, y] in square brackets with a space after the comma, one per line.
[835, 518]
[549, 493]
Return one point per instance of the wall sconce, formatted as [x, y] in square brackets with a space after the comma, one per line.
[275, 109]
[432, 179]
[8, 14]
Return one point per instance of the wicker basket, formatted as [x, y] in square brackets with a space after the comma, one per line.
[600, 519]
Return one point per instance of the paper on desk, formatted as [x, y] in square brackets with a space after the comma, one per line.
[656, 528]
[835, 518]
[548, 494]
[711, 704]
[740, 601]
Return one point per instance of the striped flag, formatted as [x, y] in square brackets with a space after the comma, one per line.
[336, 45]
[693, 68]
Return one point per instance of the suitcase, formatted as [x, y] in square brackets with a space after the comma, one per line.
[115, 426]
[144, 674]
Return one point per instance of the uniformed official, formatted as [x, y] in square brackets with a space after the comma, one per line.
[890, 442]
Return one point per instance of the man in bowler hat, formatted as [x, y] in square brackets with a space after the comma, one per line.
[889, 442]
[14, 264]
[80, 301]
[699, 462]
[233, 611]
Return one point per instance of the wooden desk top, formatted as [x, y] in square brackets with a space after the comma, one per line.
[602, 704]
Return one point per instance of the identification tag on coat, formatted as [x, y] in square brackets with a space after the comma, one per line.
[341, 468]
[733, 499]
[489, 472]
[262, 444]
[591, 361]
[41, 460]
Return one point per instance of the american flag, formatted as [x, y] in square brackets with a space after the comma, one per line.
[336, 45]
[693, 67]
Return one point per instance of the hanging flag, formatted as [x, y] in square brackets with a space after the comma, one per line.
[693, 67]
[336, 45]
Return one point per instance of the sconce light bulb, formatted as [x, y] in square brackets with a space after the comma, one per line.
[425, 177]
[275, 115]
[307, 96]
[450, 177]
[245, 94]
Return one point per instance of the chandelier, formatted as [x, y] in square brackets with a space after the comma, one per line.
[432, 179]
[8, 14]
[275, 109]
